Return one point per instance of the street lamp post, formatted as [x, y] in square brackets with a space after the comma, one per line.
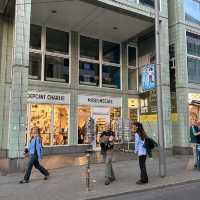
[161, 137]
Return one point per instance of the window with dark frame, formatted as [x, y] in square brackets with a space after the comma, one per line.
[193, 57]
[132, 68]
[56, 58]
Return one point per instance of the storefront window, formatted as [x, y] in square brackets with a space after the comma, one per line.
[35, 36]
[56, 69]
[34, 65]
[41, 117]
[53, 121]
[57, 41]
[111, 76]
[89, 73]
[111, 52]
[89, 48]
[192, 11]
[61, 125]
[133, 105]
[101, 116]
[84, 112]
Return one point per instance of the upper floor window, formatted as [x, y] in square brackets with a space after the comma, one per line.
[193, 44]
[49, 61]
[111, 52]
[192, 11]
[35, 37]
[89, 48]
[132, 68]
[147, 2]
[57, 41]
[99, 66]
[193, 58]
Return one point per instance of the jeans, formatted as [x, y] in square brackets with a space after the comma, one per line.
[34, 161]
[109, 172]
[142, 164]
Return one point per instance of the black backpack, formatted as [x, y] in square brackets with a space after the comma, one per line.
[150, 144]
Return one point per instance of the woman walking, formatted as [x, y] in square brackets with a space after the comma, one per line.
[141, 151]
[35, 153]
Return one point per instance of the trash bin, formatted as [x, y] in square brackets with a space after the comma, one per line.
[198, 156]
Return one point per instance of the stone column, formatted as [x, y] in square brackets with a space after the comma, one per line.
[6, 43]
[182, 133]
[73, 137]
[124, 82]
[19, 84]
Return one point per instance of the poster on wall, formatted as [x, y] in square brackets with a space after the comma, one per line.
[147, 77]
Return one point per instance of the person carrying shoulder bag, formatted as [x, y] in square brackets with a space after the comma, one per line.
[34, 152]
[107, 148]
[141, 151]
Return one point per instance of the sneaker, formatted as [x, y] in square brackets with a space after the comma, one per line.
[46, 177]
[112, 179]
[23, 181]
[107, 182]
[140, 182]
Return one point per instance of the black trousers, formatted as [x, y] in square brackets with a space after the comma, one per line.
[142, 164]
[34, 162]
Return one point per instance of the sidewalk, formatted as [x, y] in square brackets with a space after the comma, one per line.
[69, 183]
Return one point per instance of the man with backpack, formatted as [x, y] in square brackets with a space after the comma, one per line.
[107, 148]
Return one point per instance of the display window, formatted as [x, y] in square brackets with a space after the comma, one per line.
[100, 116]
[53, 121]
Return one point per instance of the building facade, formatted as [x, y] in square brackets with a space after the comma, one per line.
[184, 43]
[66, 66]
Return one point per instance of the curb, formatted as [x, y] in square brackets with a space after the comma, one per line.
[145, 189]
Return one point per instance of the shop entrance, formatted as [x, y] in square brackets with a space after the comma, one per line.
[101, 116]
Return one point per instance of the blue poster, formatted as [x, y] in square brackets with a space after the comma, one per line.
[148, 77]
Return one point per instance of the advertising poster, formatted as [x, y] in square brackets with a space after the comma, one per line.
[148, 81]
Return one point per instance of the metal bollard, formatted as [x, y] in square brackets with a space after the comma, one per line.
[89, 151]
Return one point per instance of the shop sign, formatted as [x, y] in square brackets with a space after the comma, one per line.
[49, 98]
[133, 103]
[194, 97]
[153, 118]
[99, 101]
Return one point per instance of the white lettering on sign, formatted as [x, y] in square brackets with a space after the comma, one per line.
[44, 97]
[100, 101]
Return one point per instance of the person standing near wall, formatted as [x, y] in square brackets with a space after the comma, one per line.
[35, 153]
[141, 151]
[194, 137]
[107, 147]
